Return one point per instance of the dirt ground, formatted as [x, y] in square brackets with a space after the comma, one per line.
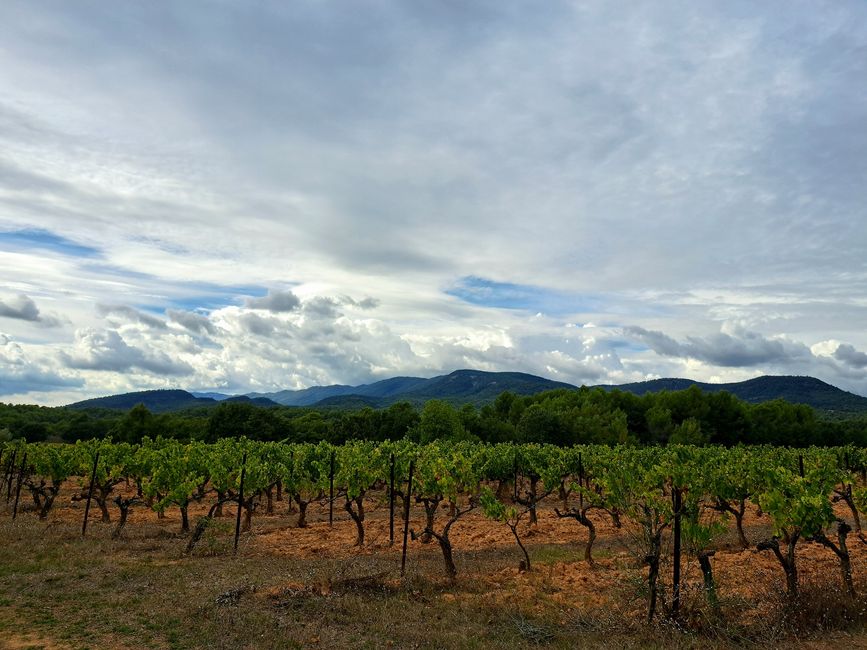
[289, 587]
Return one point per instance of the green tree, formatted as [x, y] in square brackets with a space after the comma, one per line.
[439, 421]
[688, 432]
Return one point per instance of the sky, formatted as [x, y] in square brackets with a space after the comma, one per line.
[260, 196]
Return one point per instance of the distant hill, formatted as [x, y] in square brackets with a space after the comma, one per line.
[163, 401]
[256, 401]
[349, 402]
[479, 387]
[157, 401]
[458, 387]
[798, 390]
[316, 394]
[215, 396]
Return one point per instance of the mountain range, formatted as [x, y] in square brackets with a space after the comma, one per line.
[479, 387]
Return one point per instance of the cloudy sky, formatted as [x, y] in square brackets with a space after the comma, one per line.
[257, 196]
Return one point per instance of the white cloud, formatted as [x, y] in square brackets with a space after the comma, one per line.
[21, 375]
[694, 171]
[130, 314]
[197, 323]
[275, 301]
[108, 351]
[23, 308]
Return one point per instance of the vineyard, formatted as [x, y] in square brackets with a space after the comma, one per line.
[645, 526]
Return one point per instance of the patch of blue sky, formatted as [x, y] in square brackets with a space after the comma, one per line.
[181, 294]
[45, 240]
[236, 290]
[626, 345]
[116, 271]
[506, 295]
[205, 296]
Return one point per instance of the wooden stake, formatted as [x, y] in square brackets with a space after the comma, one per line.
[580, 481]
[331, 492]
[89, 495]
[391, 503]
[9, 475]
[515, 477]
[240, 502]
[677, 495]
[18, 487]
[406, 518]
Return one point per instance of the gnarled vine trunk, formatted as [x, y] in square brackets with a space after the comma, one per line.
[302, 511]
[445, 542]
[787, 561]
[357, 514]
[652, 560]
[709, 583]
[842, 552]
[580, 515]
[430, 512]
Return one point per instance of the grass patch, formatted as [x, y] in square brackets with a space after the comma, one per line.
[143, 591]
[555, 553]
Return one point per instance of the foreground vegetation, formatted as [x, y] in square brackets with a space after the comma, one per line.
[562, 417]
[311, 587]
[667, 510]
[572, 517]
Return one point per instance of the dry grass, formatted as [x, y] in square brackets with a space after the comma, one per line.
[290, 588]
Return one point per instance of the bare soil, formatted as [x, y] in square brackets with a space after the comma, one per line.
[289, 587]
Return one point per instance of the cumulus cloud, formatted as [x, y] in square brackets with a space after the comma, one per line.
[850, 356]
[20, 375]
[737, 347]
[192, 321]
[23, 308]
[469, 164]
[255, 324]
[321, 307]
[131, 314]
[275, 301]
[108, 351]
[367, 302]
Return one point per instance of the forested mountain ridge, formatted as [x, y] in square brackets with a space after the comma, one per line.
[480, 387]
[385, 388]
[163, 401]
[460, 387]
[158, 401]
[822, 396]
[561, 415]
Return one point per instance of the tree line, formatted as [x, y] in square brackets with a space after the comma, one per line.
[561, 417]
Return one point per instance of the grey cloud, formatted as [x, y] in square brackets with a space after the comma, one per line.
[275, 301]
[33, 380]
[255, 324]
[743, 348]
[20, 375]
[656, 341]
[321, 307]
[367, 302]
[108, 351]
[850, 356]
[192, 321]
[24, 308]
[666, 149]
[12, 175]
[131, 314]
